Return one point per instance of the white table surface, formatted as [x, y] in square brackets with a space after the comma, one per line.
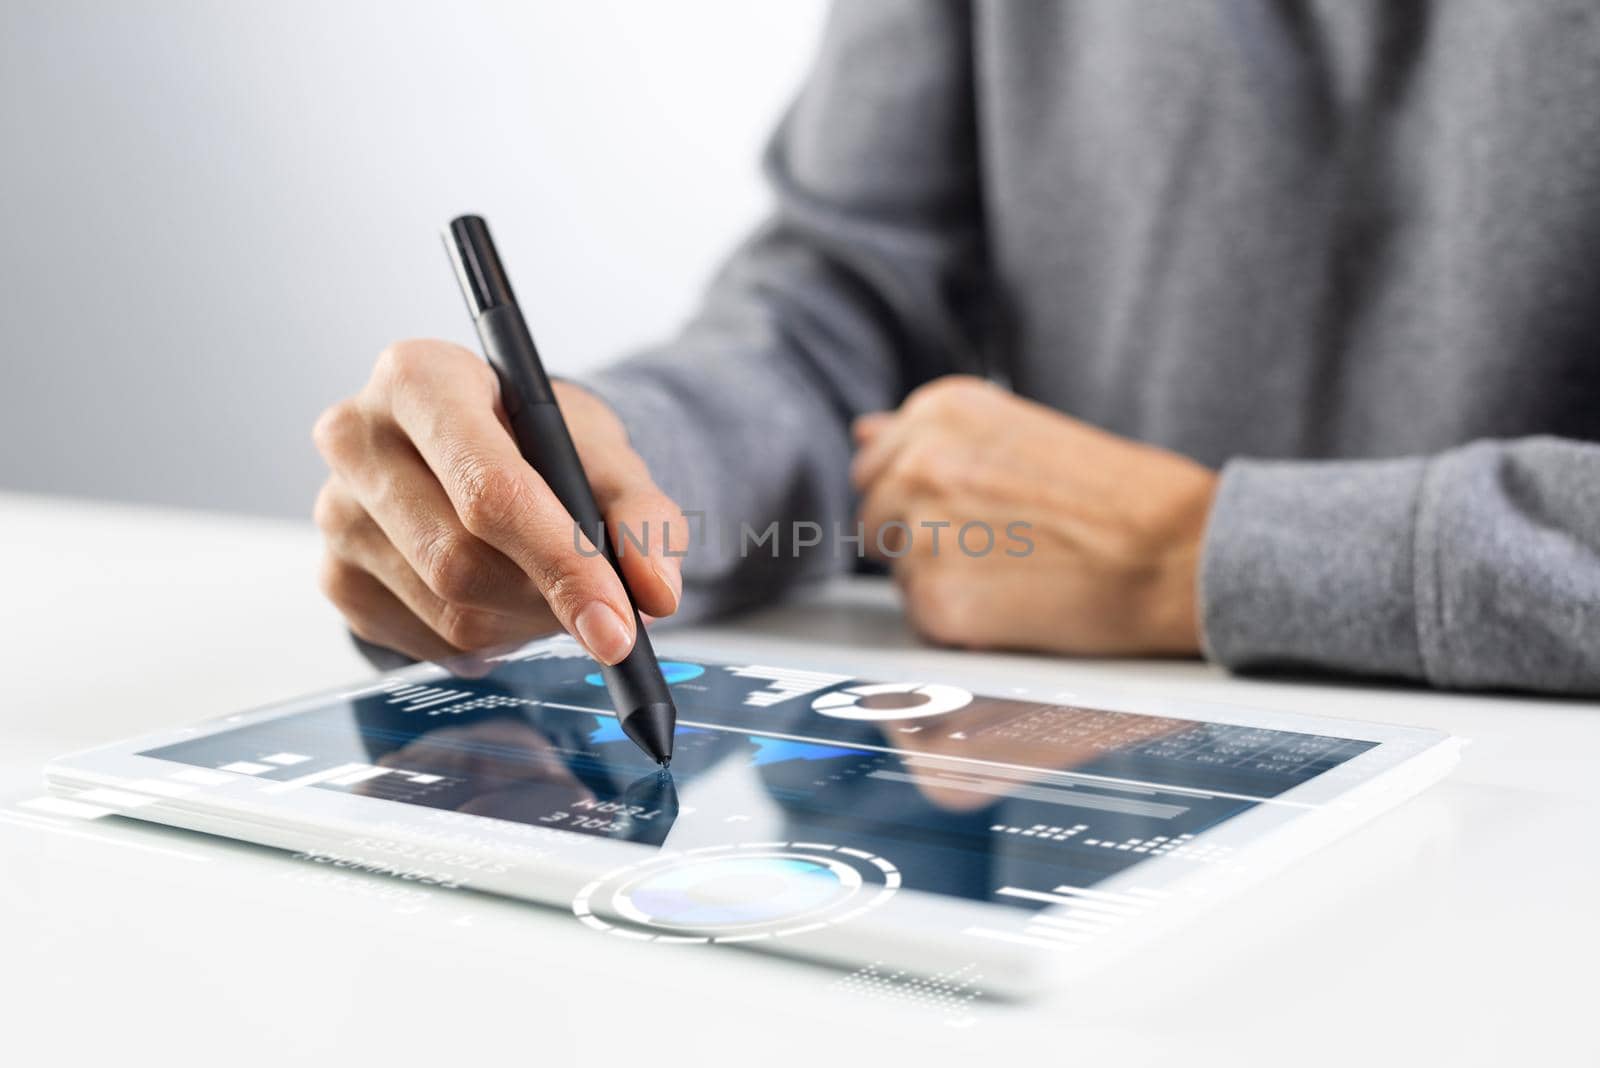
[1460, 928]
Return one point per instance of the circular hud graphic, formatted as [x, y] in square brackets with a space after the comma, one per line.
[891, 701]
[737, 893]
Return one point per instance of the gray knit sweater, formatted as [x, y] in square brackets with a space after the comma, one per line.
[1347, 251]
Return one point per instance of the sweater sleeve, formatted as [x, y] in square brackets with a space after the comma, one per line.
[866, 281]
[1478, 567]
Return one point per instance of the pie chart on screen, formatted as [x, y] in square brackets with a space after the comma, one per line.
[892, 701]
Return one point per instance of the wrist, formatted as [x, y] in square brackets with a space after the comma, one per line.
[1170, 608]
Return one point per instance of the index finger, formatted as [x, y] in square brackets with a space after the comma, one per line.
[450, 415]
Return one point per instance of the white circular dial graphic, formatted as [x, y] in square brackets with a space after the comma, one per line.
[891, 701]
[737, 893]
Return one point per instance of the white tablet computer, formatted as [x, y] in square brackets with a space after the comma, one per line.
[913, 823]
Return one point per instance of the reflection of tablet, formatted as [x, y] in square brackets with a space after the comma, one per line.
[910, 823]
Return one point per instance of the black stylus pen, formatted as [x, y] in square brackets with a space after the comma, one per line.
[638, 691]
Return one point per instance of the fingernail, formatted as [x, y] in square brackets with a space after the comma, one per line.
[603, 633]
[670, 571]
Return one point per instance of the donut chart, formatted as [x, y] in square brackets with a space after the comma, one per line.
[671, 670]
[892, 701]
[737, 893]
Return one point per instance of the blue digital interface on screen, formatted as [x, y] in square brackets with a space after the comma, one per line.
[882, 783]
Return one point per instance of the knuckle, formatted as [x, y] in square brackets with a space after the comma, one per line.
[339, 583]
[468, 628]
[337, 431]
[451, 568]
[343, 522]
[922, 465]
[945, 396]
[327, 511]
[404, 364]
[492, 498]
[563, 585]
[398, 363]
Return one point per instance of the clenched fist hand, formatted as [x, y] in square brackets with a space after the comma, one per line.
[1113, 527]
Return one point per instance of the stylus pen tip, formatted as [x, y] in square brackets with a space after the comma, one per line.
[665, 762]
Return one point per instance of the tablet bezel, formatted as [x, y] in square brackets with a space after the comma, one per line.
[923, 931]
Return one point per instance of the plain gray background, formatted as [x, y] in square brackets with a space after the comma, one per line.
[216, 214]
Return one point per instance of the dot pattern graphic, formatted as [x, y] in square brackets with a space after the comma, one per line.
[953, 994]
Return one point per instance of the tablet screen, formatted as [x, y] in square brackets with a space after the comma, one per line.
[793, 795]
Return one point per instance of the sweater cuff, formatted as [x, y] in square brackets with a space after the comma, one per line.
[1311, 565]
